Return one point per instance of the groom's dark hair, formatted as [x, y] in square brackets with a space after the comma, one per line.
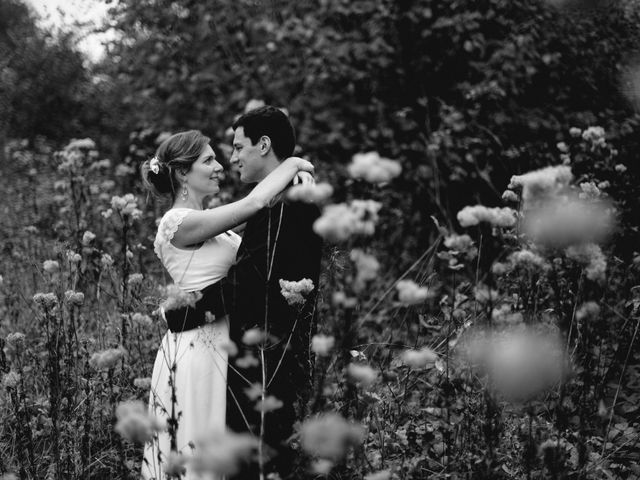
[273, 123]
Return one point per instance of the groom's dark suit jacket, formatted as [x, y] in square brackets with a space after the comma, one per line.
[279, 240]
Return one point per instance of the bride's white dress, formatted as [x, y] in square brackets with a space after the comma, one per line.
[200, 375]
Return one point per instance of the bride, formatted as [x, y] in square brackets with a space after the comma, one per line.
[197, 248]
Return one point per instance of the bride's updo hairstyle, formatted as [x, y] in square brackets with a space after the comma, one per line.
[176, 153]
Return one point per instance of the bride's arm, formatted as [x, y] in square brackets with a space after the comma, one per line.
[199, 226]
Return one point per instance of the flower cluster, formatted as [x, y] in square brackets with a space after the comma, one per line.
[590, 256]
[253, 336]
[74, 298]
[366, 267]
[177, 298]
[107, 359]
[341, 221]
[51, 266]
[565, 221]
[45, 300]
[373, 168]
[310, 193]
[329, 436]
[496, 216]
[595, 136]
[363, 375]
[126, 206]
[526, 258]
[223, 453]
[540, 185]
[322, 344]
[135, 423]
[410, 293]
[294, 292]
[418, 359]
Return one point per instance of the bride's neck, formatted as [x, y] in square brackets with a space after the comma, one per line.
[193, 203]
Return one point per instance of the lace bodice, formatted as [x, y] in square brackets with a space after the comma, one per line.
[193, 270]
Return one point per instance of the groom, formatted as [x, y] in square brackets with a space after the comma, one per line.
[278, 243]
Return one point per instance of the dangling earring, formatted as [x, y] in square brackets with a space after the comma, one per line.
[185, 194]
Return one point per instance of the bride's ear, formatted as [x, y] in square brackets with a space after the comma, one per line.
[265, 145]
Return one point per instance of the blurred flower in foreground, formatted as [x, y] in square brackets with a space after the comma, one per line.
[565, 221]
[410, 293]
[366, 268]
[88, 237]
[520, 362]
[178, 298]
[310, 193]
[373, 168]
[253, 104]
[339, 222]
[135, 423]
[329, 436]
[269, 404]
[418, 359]
[541, 185]
[223, 453]
[497, 217]
[363, 375]
[51, 266]
[590, 256]
[295, 291]
[253, 336]
[322, 344]
[107, 359]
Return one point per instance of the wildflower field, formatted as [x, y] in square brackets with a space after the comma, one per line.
[477, 171]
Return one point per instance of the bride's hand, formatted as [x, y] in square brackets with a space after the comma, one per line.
[304, 178]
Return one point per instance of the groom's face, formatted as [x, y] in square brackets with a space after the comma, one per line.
[250, 162]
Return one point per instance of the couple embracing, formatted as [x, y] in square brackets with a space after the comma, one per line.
[200, 385]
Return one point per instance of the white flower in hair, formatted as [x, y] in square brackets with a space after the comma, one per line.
[154, 165]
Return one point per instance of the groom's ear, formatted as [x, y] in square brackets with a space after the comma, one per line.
[264, 144]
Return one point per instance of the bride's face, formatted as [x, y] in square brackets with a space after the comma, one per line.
[205, 172]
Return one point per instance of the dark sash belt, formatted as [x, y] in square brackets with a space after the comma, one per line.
[188, 318]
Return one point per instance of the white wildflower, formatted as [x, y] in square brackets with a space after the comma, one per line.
[253, 336]
[510, 196]
[361, 374]
[80, 144]
[505, 315]
[142, 383]
[106, 261]
[575, 132]
[590, 256]
[329, 436]
[253, 104]
[269, 404]
[135, 423]
[540, 185]
[322, 344]
[247, 361]
[410, 293]
[595, 135]
[107, 359]
[373, 168]
[45, 300]
[74, 298]
[88, 237]
[418, 359]
[134, 279]
[341, 221]
[527, 258]
[229, 346]
[588, 310]
[177, 298]
[295, 291]
[310, 193]
[366, 268]
[620, 168]
[497, 217]
[223, 453]
[141, 320]
[51, 266]
[340, 299]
